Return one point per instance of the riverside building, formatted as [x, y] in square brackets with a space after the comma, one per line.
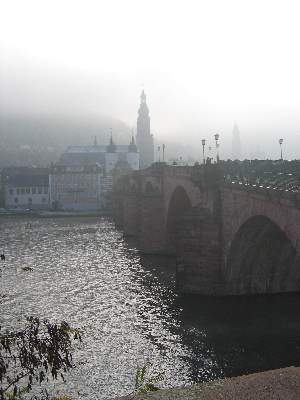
[83, 177]
[26, 188]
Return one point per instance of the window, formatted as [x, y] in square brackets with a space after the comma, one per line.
[43, 200]
[30, 200]
[33, 190]
[16, 200]
[11, 191]
[40, 190]
[45, 190]
[22, 191]
[27, 190]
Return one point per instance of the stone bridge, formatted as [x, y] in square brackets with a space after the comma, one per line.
[228, 238]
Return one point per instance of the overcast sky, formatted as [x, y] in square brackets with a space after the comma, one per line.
[203, 64]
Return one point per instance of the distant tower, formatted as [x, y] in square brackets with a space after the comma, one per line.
[132, 148]
[236, 144]
[144, 139]
[111, 156]
[111, 148]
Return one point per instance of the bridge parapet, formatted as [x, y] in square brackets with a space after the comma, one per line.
[283, 176]
[257, 168]
[287, 197]
[287, 183]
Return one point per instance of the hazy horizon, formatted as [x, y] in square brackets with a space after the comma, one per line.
[204, 66]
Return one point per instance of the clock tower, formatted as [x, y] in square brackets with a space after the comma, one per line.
[144, 139]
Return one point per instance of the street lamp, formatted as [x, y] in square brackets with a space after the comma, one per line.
[280, 144]
[158, 149]
[163, 149]
[203, 151]
[209, 153]
[217, 136]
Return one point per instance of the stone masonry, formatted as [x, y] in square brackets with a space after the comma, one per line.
[226, 238]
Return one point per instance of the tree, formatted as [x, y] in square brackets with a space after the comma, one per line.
[37, 353]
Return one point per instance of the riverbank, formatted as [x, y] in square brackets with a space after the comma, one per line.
[55, 214]
[279, 384]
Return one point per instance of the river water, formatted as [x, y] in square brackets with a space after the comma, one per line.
[86, 273]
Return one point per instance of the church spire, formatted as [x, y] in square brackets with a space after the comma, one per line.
[143, 97]
[132, 146]
[144, 139]
[111, 148]
[144, 112]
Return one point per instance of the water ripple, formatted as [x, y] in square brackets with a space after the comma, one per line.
[84, 272]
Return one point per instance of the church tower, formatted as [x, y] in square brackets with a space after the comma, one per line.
[236, 144]
[144, 139]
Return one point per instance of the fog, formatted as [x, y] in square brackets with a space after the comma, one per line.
[204, 65]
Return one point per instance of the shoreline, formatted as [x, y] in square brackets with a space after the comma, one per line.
[279, 384]
[55, 214]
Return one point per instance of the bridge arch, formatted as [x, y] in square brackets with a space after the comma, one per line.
[179, 204]
[262, 259]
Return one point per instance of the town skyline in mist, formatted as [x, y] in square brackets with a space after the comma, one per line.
[204, 67]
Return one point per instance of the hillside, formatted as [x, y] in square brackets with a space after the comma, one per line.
[40, 139]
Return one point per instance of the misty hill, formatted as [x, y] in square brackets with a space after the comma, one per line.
[40, 139]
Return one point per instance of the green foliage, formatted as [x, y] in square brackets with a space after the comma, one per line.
[35, 354]
[144, 381]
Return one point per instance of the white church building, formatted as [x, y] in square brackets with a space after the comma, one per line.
[83, 177]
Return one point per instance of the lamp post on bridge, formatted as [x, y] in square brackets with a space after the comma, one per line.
[209, 154]
[280, 144]
[217, 137]
[163, 151]
[203, 149]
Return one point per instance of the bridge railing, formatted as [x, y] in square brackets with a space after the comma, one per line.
[282, 182]
[282, 175]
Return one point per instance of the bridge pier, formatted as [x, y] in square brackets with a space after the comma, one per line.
[131, 214]
[198, 253]
[152, 224]
[142, 216]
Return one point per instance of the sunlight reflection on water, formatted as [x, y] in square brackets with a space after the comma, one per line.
[84, 272]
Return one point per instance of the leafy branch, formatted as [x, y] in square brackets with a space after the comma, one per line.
[40, 351]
